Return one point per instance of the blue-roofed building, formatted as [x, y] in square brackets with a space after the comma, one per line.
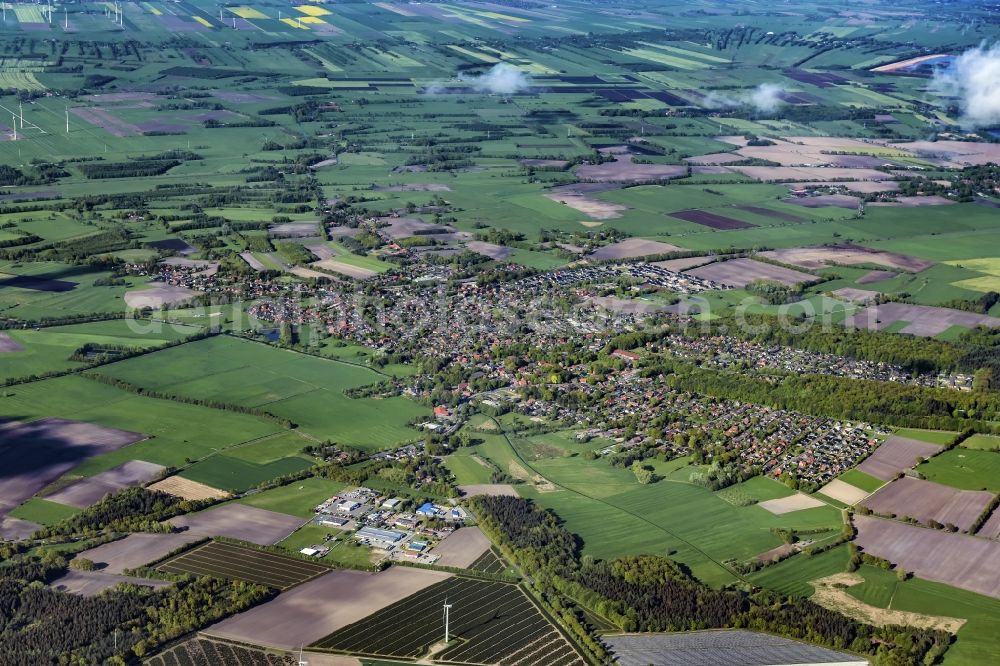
[427, 509]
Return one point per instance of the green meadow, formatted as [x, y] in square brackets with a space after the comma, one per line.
[48, 349]
[298, 498]
[175, 432]
[614, 515]
[307, 390]
[232, 474]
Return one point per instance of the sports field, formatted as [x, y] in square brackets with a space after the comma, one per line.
[965, 468]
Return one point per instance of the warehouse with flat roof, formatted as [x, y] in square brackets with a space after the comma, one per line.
[379, 538]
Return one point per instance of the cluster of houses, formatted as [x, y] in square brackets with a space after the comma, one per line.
[464, 322]
[622, 405]
[432, 320]
[644, 272]
[728, 352]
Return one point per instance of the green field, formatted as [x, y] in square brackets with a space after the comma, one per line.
[43, 512]
[175, 432]
[792, 576]
[298, 498]
[976, 643]
[228, 473]
[859, 479]
[968, 469]
[84, 297]
[983, 442]
[467, 469]
[48, 349]
[344, 551]
[270, 449]
[306, 390]
[932, 436]
[614, 515]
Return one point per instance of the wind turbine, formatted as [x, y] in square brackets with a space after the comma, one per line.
[301, 662]
[447, 617]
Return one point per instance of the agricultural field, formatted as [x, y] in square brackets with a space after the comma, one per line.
[307, 391]
[484, 612]
[966, 562]
[861, 480]
[37, 351]
[489, 563]
[464, 548]
[238, 521]
[741, 272]
[39, 452]
[282, 446]
[43, 512]
[203, 650]
[929, 502]
[982, 442]
[232, 474]
[614, 515]
[974, 642]
[87, 491]
[187, 489]
[897, 454]
[137, 550]
[308, 612]
[299, 498]
[468, 469]
[228, 561]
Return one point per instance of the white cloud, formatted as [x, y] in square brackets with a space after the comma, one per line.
[765, 98]
[975, 80]
[501, 79]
